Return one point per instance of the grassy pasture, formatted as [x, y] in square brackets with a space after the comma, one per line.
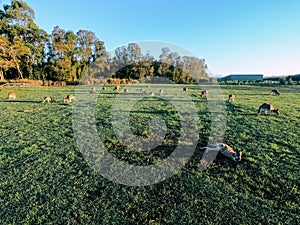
[44, 178]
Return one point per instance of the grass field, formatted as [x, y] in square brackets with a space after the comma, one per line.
[44, 179]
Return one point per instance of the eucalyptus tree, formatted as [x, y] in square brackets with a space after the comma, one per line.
[19, 29]
[129, 62]
[135, 61]
[134, 53]
[90, 48]
[70, 55]
[95, 61]
[168, 65]
[194, 68]
[63, 54]
[162, 67]
[11, 54]
[148, 63]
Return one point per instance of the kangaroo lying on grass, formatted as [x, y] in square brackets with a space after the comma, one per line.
[69, 98]
[267, 107]
[226, 150]
[48, 99]
[11, 95]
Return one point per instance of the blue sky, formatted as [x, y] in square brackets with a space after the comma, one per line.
[234, 36]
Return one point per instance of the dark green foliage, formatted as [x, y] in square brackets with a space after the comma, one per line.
[26, 51]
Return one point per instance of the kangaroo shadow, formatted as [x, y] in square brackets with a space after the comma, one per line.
[64, 104]
[246, 114]
[22, 101]
[236, 110]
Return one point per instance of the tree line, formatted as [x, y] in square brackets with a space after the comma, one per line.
[27, 51]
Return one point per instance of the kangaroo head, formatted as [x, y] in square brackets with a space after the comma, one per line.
[235, 156]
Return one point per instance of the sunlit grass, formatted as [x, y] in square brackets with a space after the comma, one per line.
[45, 180]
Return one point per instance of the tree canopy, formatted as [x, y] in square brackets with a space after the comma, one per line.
[27, 51]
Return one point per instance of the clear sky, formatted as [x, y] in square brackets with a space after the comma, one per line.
[233, 36]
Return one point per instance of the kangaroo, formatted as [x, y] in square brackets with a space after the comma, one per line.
[93, 91]
[152, 94]
[69, 98]
[11, 95]
[126, 91]
[48, 99]
[231, 97]
[142, 91]
[103, 88]
[161, 92]
[275, 92]
[227, 151]
[117, 88]
[267, 107]
[204, 93]
[185, 90]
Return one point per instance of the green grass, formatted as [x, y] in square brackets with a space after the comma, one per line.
[44, 178]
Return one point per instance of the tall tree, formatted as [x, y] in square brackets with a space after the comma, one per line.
[194, 68]
[90, 49]
[128, 61]
[17, 25]
[11, 54]
[63, 54]
[70, 54]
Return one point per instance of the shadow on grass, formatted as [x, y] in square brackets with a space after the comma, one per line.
[236, 110]
[22, 101]
[65, 104]
[248, 114]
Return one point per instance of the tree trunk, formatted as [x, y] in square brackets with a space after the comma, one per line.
[19, 70]
[1, 74]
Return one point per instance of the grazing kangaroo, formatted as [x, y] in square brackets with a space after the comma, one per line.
[185, 90]
[93, 91]
[142, 91]
[161, 92]
[117, 88]
[152, 94]
[11, 95]
[48, 99]
[275, 92]
[204, 93]
[226, 150]
[231, 97]
[267, 107]
[69, 98]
